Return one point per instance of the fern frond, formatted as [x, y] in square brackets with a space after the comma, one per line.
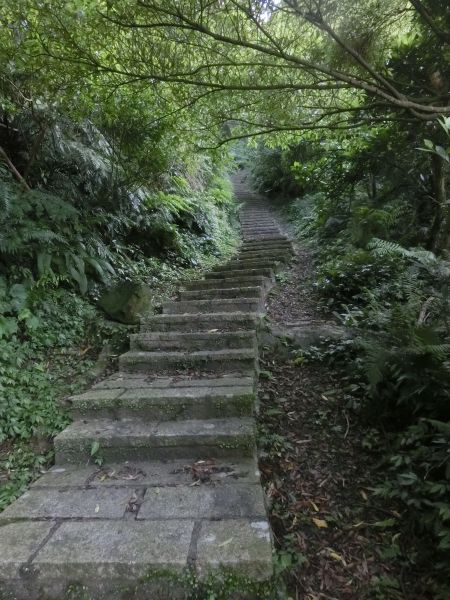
[387, 248]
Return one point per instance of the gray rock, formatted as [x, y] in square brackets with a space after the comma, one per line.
[126, 302]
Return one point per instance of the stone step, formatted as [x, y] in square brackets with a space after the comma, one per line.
[206, 340]
[132, 439]
[252, 237]
[263, 230]
[241, 262]
[212, 305]
[265, 272]
[259, 223]
[156, 404]
[225, 321]
[259, 218]
[148, 474]
[130, 381]
[207, 361]
[230, 282]
[281, 254]
[268, 244]
[230, 292]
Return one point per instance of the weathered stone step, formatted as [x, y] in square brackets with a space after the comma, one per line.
[225, 321]
[132, 380]
[206, 340]
[208, 361]
[277, 254]
[258, 218]
[132, 439]
[259, 223]
[149, 474]
[265, 272]
[252, 237]
[259, 229]
[268, 244]
[247, 263]
[230, 292]
[229, 282]
[150, 404]
[212, 305]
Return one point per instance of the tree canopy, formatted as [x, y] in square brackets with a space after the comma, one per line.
[260, 66]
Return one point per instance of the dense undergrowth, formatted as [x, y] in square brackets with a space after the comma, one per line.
[364, 208]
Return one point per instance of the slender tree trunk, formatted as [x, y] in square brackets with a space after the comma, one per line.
[441, 224]
[5, 158]
[35, 149]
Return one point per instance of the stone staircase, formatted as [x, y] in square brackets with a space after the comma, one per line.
[178, 487]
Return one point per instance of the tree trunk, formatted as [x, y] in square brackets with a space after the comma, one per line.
[441, 224]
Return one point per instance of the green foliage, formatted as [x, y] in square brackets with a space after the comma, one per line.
[366, 215]
[45, 235]
[37, 368]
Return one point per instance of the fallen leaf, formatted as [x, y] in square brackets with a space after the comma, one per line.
[359, 524]
[225, 543]
[336, 556]
[321, 523]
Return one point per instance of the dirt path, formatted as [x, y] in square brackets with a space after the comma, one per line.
[318, 471]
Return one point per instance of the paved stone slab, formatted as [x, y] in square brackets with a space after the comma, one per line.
[203, 502]
[18, 542]
[242, 544]
[101, 549]
[69, 503]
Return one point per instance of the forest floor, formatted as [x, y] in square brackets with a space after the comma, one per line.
[341, 541]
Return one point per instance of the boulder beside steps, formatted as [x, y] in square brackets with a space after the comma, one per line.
[176, 486]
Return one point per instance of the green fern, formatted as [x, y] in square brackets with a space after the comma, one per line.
[387, 248]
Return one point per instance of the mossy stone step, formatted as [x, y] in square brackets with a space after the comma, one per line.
[231, 292]
[229, 282]
[223, 274]
[133, 380]
[207, 361]
[260, 237]
[249, 305]
[260, 230]
[225, 321]
[207, 340]
[279, 243]
[279, 255]
[133, 439]
[148, 474]
[150, 404]
[248, 263]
